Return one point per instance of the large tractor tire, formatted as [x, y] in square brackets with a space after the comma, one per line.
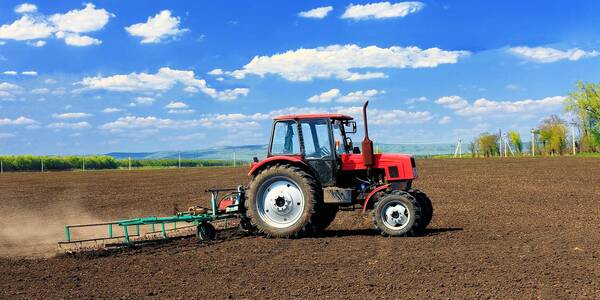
[282, 201]
[426, 207]
[397, 213]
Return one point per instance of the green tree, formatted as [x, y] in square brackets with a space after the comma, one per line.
[515, 140]
[584, 103]
[487, 144]
[553, 135]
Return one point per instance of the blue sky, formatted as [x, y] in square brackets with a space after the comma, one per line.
[94, 77]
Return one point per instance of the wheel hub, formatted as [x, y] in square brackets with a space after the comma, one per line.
[395, 215]
[280, 203]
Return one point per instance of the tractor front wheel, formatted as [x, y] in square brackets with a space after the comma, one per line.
[397, 213]
[282, 201]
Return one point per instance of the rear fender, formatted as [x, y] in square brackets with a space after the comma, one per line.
[255, 168]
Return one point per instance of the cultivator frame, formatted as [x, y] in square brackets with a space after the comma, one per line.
[197, 216]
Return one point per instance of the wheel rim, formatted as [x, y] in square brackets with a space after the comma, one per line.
[280, 202]
[395, 215]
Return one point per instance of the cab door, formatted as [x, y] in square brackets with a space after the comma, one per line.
[317, 149]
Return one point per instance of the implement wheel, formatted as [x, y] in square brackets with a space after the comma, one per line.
[282, 201]
[206, 232]
[397, 213]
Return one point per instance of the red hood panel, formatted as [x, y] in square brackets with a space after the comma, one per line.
[382, 161]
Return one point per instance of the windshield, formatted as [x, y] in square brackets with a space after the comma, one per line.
[285, 139]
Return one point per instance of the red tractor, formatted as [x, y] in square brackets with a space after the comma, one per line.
[312, 170]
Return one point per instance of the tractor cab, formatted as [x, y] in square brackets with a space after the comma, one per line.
[318, 140]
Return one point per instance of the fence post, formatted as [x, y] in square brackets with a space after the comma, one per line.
[1, 167]
[42, 164]
[179, 161]
[130, 163]
[83, 164]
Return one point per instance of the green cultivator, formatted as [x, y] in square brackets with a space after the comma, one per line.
[130, 231]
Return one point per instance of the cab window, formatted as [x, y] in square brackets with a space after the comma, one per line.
[315, 134]
[285, 138]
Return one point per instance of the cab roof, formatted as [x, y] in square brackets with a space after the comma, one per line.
[313, 116]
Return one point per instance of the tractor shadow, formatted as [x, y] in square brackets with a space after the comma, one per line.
[375, 232]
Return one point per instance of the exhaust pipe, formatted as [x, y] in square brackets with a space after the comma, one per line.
[367, 144]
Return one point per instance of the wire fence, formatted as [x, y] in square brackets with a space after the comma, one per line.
[31, 163]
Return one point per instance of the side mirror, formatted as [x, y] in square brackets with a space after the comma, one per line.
[350, 127]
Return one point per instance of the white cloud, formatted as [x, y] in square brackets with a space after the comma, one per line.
[144, 101]
[157, 29]
[549, 55]
[132, 122]
[365, 76]
[445, 120]
[415, 100]
[75, 126]
[37, 44]
[29, 73]
[87, 19]
[74, 39]
[12, 73]
[488, 107]
[181, 111]
[18, 121]
[359, 96]
[216, 72]
[325, 96]
[176, 105]
[25, 8]
[68, 26]
[50, 81]
[344, 62]
[26, 28]
[110, 110]
[316, 13]
[387, 117]
[72, 115]
[8, 90]
[4, 135]
[512, 87]
[40, 91]
[453, 102]
[381, 10]
[352, 97]
[165, 79]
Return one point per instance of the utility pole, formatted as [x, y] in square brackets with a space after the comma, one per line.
[532, 142]
[573, 139]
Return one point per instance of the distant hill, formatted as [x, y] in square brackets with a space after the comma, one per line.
[249, 151]
[220, 153]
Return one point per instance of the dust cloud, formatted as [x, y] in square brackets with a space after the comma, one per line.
[35, 232]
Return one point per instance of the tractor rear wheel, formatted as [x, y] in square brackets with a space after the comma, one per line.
[397, 213]
[282, 201]
[426, 207]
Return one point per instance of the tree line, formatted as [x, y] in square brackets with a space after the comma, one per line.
[67, 163]
[551, 135]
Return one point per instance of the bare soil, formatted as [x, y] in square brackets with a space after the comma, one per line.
[502, 228]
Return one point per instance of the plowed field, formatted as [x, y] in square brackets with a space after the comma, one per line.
[502, 228]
